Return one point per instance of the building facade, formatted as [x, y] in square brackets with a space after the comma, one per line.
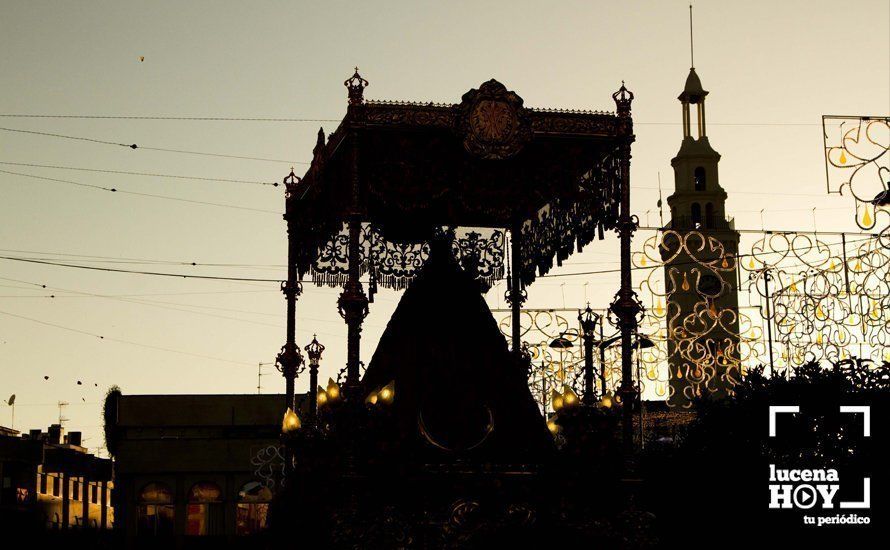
[50, 481]
[699, 249]
[194, 469]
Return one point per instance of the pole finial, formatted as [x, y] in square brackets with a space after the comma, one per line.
[691, 45]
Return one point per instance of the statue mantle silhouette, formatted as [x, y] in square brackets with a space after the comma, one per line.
[461, 396]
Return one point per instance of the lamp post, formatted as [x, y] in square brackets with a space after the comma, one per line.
[589, 320]
[290, 361]
[560, 343]
[314, 351]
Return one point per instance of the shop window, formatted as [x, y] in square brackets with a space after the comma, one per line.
[252, 508]
[205, 510]
[155, 510]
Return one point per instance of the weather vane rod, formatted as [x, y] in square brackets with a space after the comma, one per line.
[691, 48]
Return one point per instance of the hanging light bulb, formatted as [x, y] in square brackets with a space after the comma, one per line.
[321, 397]
[387, 393]
[371, 399]
[556, 400]
[333, 390]
[569, 397]
[291, 422]
[553, 426]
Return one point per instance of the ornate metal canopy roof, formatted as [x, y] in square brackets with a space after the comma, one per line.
[486, 164]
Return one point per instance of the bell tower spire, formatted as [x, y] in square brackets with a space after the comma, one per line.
[702, 238]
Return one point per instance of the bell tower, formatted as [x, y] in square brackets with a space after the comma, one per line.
[699, 251]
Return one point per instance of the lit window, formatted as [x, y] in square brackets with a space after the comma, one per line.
[253, 506]
[155, 511]
[205, 510]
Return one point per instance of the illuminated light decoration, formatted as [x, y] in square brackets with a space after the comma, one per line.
[321, 396]
[557, 401]
[333, 390]
[685, 286]
[291, 422]
[387, 393]
[856, 152]
[569, 397]
[553, 426]
[606, 401]
[866, 217]
[552, 367]
[371, 399]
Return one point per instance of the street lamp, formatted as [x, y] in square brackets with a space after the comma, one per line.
[314, 351]
[589, 321]
[291, 422]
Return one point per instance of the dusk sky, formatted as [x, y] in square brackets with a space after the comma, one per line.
[772, 69]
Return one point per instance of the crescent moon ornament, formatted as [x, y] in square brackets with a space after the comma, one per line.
[431, 439]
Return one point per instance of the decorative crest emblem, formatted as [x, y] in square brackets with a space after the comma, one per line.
[493, 122]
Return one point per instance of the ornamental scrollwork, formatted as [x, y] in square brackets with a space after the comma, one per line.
[857, 164]
[394, 265]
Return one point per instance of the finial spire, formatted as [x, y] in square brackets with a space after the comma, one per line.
[691, 47]
[356, 86]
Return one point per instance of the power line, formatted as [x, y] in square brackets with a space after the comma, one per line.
[137, 193]
[118, 340]
[162, 117]
[162, 149]
[285, 119]
[124, 259]
[150, 174]
[221, 278]
[138, 272]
